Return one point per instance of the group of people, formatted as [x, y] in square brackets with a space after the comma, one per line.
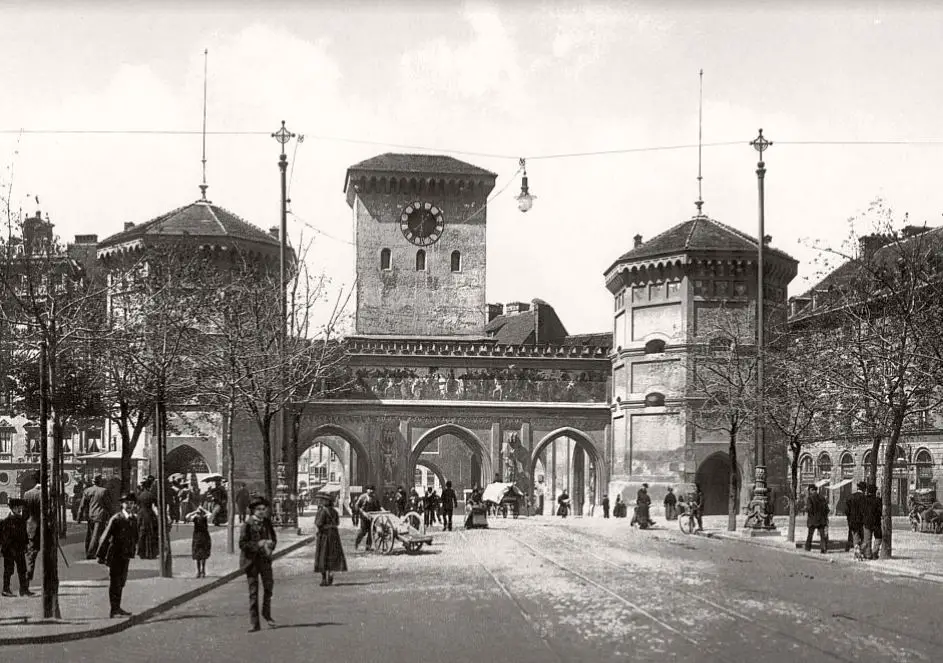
[434, 508]
[641, 516]
[863, 511]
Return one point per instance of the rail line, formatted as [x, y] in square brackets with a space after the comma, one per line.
[701, 645]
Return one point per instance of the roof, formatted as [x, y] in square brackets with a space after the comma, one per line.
[700, 233]
[199, 219]
[518, 328]
[426, 164]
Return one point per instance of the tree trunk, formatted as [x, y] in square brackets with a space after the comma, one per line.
[793, 491]
[267, 459]
[872, 477]
[887, 521]
[126, 464]
[732, 499]
[231, 476]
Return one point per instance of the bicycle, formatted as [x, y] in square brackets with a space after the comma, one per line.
[687, 520]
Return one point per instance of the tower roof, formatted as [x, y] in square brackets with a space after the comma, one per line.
[199, 220]
[417, 164]
[698, 234]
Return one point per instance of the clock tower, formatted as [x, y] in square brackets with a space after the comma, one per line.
[419, 231]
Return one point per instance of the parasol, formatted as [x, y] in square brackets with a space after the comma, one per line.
[212, 477]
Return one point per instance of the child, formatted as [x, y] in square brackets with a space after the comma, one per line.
[202, 543]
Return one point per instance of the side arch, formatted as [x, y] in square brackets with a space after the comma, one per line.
[432, 467]
[309, 437]
[470, 440]
[587, 444]
[184, 459]
[713, 476]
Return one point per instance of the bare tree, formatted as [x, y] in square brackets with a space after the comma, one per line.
[880, 315]
[722, 393]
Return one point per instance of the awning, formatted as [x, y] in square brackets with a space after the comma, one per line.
[330, 488]
[110, 455]
[843, 482]
[821, 483]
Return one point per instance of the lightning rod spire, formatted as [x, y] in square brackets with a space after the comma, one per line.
[204, 186]
[700, 129]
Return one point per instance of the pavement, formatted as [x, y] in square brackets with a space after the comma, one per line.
[542, 590]
[83, 587]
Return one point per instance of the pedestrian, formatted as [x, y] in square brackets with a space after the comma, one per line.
[449, 501]
[354, 514]
[619, 510]
[563, 504]
[817, 519]
[242, 502]
[96, 508]
[329, 553]
[854, 512]
[257, 542]
[117, 549]
[13, 544]
[32, 509]
[671, 504]
[77, 490]
[201, 546]
[148, 538]
[366, 503]
[871, 523]
[605, 506]
[399, 502]
[642, 503]
[698, 506]
[217, 498]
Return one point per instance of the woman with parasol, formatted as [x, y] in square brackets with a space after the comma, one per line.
[329, 554]
[217, 498]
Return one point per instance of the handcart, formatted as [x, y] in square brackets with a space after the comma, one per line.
[387, 529]
[503, 497]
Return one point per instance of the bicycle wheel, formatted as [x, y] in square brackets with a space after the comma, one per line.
[687, 524]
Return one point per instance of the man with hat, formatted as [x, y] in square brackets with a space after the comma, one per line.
[13, 542]
[96, 509]
[366, 503]
[32, 509]
[116, 550]
[854, 512]
[256, 544]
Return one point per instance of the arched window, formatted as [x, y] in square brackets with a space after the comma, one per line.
[654, 399]
[847, 466]
[654, 346]
[385, 259]
[806, 471]
[456, 261]
[420, 260]
[867, 462]
[924, 463]
[825, 466]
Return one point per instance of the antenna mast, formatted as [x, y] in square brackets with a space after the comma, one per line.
[204, 186]
[700, 129]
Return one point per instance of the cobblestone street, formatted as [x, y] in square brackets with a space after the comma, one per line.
[543, 589]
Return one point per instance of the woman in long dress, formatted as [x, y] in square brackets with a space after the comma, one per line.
[202, 544]
[329, 554]
[148, 541]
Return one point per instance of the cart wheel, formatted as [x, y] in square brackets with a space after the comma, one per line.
[383, 533]
[413, 546]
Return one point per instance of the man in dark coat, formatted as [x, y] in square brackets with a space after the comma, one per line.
[817, 512]
[366, 503]
[871, 523]
[32, 500]
[605, 506]
[116, 550]
[399, 501]
[449, 502]
[256, 544]
[854, 512]
[13, 543]
[242, 502]
[96, 509]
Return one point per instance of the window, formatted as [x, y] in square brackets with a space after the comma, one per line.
[825, 466]
[655, 399]
[867, 462]
[456, 261]
[385, 259]
[806, 471]
[420, 260]
[847, 466]
[417, 478]
[924, 463]
[6, 442]
[654, 346]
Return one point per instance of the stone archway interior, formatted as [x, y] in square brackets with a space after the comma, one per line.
[185, 460]
[713, 476]
[566, 461]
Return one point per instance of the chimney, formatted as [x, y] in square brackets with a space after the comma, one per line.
[86, 239]
[516, 307]
[128, 225]
[912, 231]
[638, 241]
[494, 310]
[274, 231]
[869, 244]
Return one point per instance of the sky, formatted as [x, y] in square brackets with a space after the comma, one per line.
[602, 100]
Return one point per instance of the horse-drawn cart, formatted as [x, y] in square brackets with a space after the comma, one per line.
[387, 529]
[926, 513]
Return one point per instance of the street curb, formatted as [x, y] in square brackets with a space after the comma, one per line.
[141, 617]
[926, 576]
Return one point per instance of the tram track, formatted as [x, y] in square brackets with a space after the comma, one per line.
[701, 644]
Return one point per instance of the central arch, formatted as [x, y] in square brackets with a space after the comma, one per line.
[185, 460]
[468, 438]
[584, 443]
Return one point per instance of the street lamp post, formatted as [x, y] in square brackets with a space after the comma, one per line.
[761, 514]
[283, 515]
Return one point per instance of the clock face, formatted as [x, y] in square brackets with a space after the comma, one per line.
[422, 223]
